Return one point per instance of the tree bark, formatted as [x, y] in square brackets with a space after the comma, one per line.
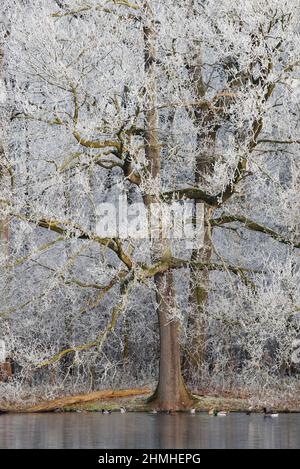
[5, 179]
[171, 392]
[3, 172]
[199, 278]
[199, 288]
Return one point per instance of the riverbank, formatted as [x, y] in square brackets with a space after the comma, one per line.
[135, 400]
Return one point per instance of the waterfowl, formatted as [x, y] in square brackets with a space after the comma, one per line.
[122, 410]
[217, 413]
[106, 411]
[154, 411]
[192, 411]
[269, 414]
[249, 410]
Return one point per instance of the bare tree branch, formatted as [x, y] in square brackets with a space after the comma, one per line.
[254, 226]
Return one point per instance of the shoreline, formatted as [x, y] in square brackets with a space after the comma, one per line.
[135, 400]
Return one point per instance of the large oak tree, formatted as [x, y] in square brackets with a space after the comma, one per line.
[160, 101]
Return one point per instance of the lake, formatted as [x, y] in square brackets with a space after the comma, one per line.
[148, 431]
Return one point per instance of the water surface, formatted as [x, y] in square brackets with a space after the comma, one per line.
[138, 430]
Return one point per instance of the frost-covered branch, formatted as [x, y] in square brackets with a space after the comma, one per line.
[254, 226]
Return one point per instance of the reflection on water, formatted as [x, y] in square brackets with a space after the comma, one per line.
[148, 431]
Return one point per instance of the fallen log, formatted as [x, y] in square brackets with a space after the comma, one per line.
[50, 406]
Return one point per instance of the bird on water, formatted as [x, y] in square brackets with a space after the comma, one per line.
[217, 413]
[269, 414]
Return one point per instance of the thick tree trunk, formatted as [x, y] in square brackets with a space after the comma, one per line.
[171, 392]
[199, 287]
[3, 171]
[194, 356]
[5, 180]
[5, 187]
